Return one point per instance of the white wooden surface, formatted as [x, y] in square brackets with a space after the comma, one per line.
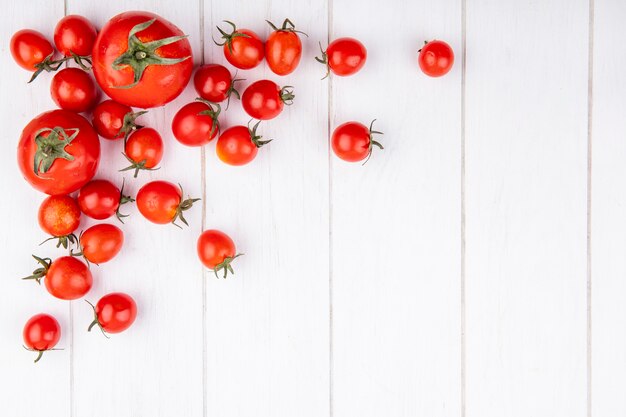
[475, 267]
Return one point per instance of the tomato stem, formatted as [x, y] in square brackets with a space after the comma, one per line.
[232, 90]
[212, 112]
[288, 26]
[182, 207]
[228, 37]
[225, 265]
[50, 65]
[129, 124]
[123, 200]
[324, 60]
[137, 166]
[51, 147]
[96, 321]
[256, 139]
[287, 95]
[65, 241]
[372, 141]
[39, 273]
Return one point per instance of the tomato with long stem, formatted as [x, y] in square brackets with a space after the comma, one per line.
[41, 333]
[73, 89]
[114, 313]
[66, 277]
[343, 57]
[242, 47]
[283, 48]
[354, 142]
[100, 243]
[238, 145]
[144, 150]
[196, 124]
[59, 216]
[216, 251]
[214, 83]
[161, 202]
[113, 120]
[264, 99]
[101, 199]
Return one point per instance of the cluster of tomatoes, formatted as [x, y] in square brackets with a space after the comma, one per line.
[141, 60]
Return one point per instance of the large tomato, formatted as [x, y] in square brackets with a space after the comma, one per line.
[58, 152]
[142, 60]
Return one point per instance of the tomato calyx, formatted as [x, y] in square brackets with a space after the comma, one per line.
[40, 272]
[228, 37]
[425, 43]
[140, 55]
[51, 147]
[129, 125]
[81, 253]
[256, 139]
[232, 90]
[287, 26]
[373, 142]
[51, 65]
[225, 265]
[39, 352]
[212, 113]
[286, 95]
[96, 321]
[137, 166]
[182, 207]
[323, 60]
[65, 241]
[123, 200]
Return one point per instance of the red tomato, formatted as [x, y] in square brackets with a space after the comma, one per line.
[113, 120]
[114, 313]
[344, 56]
[74, 34]
[100, 243]
[216, 251]
[353, 141]
[214, 83]
[242, 47]
[59, 216]
[41, 332]
[73, 89]
[58, 152]
[283, 48]
[196, 124]
[436, 58]
[265, 100]
[142, 60]
[67, 278]
[29, 48]
[238, 145]
[144, 150]
[100, 199]
[162, 202]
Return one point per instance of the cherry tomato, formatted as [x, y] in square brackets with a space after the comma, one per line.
[29, 48]
[114, 313]
[242, 47]
[41, 332]
[100, 243]
[59, 216]
[196, 124]
[353, 141]
[214, 83]
[265, 100]
[216, 251]
[66, 277]
[238, 145]
[74, 34]
[58, 152]
[113, 120]
[144, 150]
[73, 89]
[100, 199]
[142, 60]
[283, 48]
[162, 202]
[344, 56]
[436, 58]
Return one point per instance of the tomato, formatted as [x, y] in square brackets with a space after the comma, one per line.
[264, 99]
[344, 56]
[242, 47]
[74, 35]
[283, 48]
[196, 124]
[67, 278]
[41, 332]
[162, 202]
[100, 243]
[58, 152]
[59, 216]
[29, 48]
[73, 89]
[144, 150]
[436, 58]
[114, 313]
[216, 251]
[214, 83]
[238, 145]
[100, 199]
[353, 141]
[142, 60]
[113, 120]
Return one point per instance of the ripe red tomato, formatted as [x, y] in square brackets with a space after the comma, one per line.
[29, 48]
[216, 251]
[67, 278]
[73, 89]
[113, 120]
[242, 47]
[59, 216]
[238, 145]
[162, 202]
[214, 83]
[144, 150]
[114, 313]
[74, 34]
[353, 141]
[100, 243]
[58, 152]
[283, 48]
[264, 99]
[344, 56]
[142, 60]
[41, 332]
[436, 58]
[100, 199]
[196, 124]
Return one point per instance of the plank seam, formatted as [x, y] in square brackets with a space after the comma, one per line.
[331, 404]
[589, 173]
[463, 253]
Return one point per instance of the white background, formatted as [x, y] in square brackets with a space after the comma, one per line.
[475, 267]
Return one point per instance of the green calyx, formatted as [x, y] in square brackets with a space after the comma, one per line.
[287, 95]
[129, 125]
[323, 60]
[288, 26]
[233, 91]
[182, 207]
[227, 38]
[65, 241]
[123, 200]
[137, 166]
[373, 142]
[225, 266]
[213, 111]
[95, 321]
[50, 65]
[140, 55]
[256, 139]
[52, 146]
[40, 272]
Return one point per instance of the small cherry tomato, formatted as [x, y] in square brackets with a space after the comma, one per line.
[59, 216]
[436, 58]
[264, 99]
[100, 199]
[29, 48]
[216, 251]
[238, 145]
[41, 332]
[196, 124]
[74, 34]
[144, 150]
[283, 48]
[73, 89]
[344, 56]
[353, 141]
[113, 120]
[114, 313]
[66, 277]
[242, 47]
[161, 202]
[214, 83]
[100, 243]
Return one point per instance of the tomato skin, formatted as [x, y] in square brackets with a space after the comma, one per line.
[159, 84]
[351, 141]
[262, 100]
[283, 50]
[64, 177]
[59, 215]
[192, 128]
[115, 312]
[436, 58]
[29, 48]
[99, 199]
[235, 146]
[68, 278]
[346, 56]
[41, 332]
[146, 145]
[73, 89]
[214, 247]
[247, 51]
[213, 82]
[101, 242]
[158, 201]
[75, 34]
[108, 119]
